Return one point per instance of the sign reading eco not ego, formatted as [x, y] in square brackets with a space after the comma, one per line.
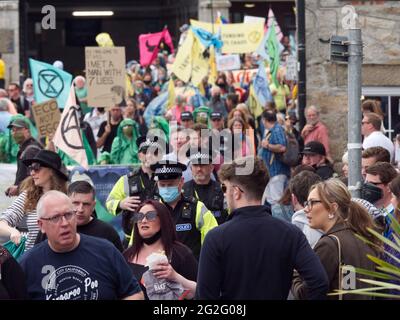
[47, 117]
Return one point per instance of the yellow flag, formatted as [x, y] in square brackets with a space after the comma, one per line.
[255, 107]
[213, 67]
[128, 86]
[200, 64]
[171, 94]
[104, 40]
[182, 66]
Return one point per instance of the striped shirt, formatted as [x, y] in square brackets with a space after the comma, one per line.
[15, 214]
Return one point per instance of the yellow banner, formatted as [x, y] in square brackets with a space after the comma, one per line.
[237, 37]
[182, 66]
[189, 62]
[200, 64]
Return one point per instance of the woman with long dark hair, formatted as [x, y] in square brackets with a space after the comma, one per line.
[154, 232]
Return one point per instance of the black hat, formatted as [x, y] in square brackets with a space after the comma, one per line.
[143, 143]
[186, 115]
[18, 123]
[314, 147]
[216, 115]
[200, 156]
[168, 169]
[49, 159]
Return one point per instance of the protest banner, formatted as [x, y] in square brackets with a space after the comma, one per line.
[236, 37]
[47, 117]
[105, 74]
[49, 82]
[228, 62]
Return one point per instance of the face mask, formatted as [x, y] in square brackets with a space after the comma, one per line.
[169, 194]
[19, 137]
[128, 130]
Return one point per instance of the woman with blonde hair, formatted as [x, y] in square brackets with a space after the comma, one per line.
[329, 208]
[46, 173]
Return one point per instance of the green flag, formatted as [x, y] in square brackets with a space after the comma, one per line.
[273, 53]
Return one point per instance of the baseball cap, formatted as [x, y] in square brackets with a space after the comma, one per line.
[18, 123]
[314, 147]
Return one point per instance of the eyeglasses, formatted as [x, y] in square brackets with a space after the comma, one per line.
[58, 218]
[234, 185]
[216, 119]
[139, 216]
[35, 167]
[310, 203]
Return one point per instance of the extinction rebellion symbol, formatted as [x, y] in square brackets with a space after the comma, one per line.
[51, 83]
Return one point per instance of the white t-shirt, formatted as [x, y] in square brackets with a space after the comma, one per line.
[378, 139]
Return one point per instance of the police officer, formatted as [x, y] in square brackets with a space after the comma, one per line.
[137, 186]
[192, 218]
[202, 187]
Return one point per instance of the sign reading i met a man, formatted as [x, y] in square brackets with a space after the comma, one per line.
[47, 117]
[105, 74]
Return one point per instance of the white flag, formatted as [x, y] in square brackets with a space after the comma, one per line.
[68, 136]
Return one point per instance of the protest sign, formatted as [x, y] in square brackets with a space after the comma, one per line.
[228, 62]
[236, 37]
[105, 73]
[47, 117]
[252, 19]
[291, 68]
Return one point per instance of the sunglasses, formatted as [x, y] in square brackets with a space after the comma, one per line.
[35, 167]
[139, 216]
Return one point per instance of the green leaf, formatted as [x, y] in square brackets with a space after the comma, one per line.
[374, 274]
[381, 263]
[382, 284]
[394, 224]
[396, 238]
[371, 294]
[368, 242]
[388, 270]
[384, 240]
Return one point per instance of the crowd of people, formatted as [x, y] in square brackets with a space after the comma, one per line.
[223, 204]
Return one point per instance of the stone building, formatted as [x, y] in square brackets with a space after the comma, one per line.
[327, 82]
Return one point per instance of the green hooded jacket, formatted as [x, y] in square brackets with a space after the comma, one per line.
[124, 150]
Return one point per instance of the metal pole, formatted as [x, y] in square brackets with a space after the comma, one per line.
[301, 54]
[354, 145]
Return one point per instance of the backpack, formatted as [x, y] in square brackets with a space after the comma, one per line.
[292, 154]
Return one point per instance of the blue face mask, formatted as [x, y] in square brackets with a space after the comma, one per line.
[169, 194]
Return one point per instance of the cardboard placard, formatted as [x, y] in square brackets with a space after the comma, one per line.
[47, 117]
[105, 74]
[228, 62]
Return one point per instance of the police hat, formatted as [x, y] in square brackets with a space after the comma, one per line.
[200, 156]
[168, 169]
[216, 115]
[186, 116]
[18, 123]
[143, 143]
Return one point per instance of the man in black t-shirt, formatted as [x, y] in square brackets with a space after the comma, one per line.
[82, 195]
[108, 129]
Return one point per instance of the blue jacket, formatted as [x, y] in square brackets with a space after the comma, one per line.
[253, 255]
